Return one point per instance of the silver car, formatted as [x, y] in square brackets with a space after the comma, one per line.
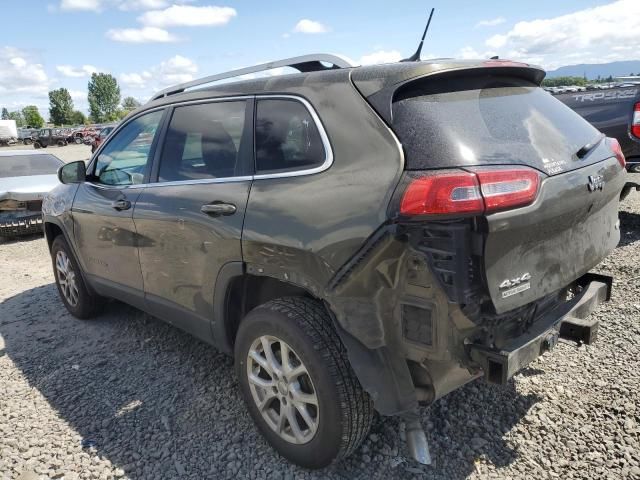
[26, 176]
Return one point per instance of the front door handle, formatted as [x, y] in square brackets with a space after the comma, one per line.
[218, 208]
[121, 204]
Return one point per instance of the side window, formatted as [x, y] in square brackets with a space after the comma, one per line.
[287, 138]
[123, 161]
[204, 141]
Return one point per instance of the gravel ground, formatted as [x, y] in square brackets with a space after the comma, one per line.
[128, 396]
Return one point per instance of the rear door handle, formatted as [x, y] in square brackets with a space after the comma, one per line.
[121, 204]
[218, 208]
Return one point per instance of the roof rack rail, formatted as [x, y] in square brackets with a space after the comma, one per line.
[305, 63]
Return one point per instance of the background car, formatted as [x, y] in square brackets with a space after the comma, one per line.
[25, 177]
[50, 136]
[98, 139]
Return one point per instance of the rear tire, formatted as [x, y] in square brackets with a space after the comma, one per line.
[37, 145]
[75, 295]
[318, 371]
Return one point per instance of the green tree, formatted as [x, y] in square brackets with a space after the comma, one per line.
[32, 116]
[17, 116]
[78, 118]
[60, 107]
[5, 114]
[121, 113]
[104, 97]
[130, 103]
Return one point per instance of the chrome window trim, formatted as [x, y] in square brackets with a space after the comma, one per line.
[328, 152]
[295, 173]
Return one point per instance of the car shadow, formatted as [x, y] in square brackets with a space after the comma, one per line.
[21, 238]
[157, 403]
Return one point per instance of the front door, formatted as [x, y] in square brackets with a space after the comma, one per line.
[192, 216]
[103, 208]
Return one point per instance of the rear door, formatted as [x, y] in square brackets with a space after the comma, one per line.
[501, 122]
[191, 217]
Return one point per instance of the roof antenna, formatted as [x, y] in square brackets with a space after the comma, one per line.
[416, 56]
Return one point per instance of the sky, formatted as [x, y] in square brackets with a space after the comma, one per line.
[150, 44]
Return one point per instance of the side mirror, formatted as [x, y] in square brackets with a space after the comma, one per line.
[74, 172]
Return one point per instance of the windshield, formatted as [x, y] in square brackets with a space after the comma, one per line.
[488, 120]
[25, 165]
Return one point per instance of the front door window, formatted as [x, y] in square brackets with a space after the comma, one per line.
[125, 159]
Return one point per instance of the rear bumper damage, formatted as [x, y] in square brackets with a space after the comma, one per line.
[569, 322]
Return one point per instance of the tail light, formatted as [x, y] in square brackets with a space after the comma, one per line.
[635, 124]
[617, 150]
[481, 190]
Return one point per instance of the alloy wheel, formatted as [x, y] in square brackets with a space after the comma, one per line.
[282, 389]
[67, 278]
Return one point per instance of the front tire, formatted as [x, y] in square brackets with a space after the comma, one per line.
[298, 384]
[75, 295]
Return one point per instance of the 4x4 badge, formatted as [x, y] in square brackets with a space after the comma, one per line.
[596, 182]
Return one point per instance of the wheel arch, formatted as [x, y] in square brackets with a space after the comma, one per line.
[53, 228]
[383, 373]
[237, 292]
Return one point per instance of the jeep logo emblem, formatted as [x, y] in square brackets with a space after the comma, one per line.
[596, 182]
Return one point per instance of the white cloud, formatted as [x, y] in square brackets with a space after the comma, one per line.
[90, 5]
[19, 74]
[142, 4]
[587, 35]
[310, 26]
[79, 96]
[381, 56]
[141, 35]
[83, 71]
[188, 16]
[177, 69]
[470, 53]
[494, 22]
[100, 5]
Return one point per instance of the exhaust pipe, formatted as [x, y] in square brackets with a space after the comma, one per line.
[417, 439]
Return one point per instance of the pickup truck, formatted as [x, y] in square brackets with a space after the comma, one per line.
[616, 113]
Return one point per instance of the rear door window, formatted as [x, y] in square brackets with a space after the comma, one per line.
[287, 137]
[205, 141]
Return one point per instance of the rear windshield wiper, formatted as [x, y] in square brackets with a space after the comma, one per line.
[590, 146]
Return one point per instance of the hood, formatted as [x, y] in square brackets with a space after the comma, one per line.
[24, 188]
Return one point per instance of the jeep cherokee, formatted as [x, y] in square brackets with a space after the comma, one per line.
[358, 238]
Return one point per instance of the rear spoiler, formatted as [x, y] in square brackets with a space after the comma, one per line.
[380, 84]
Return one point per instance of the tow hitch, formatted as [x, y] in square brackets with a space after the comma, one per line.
[571, 322]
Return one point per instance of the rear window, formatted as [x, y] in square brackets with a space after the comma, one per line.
[25, 165]
[487, 120]
[287, 138]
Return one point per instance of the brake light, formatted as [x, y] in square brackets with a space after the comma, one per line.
[617, 150]
[454, 191]
[503, 189]
[479, 191]
[635, 124]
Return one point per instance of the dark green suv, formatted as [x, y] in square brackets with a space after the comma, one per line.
[358, 238]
